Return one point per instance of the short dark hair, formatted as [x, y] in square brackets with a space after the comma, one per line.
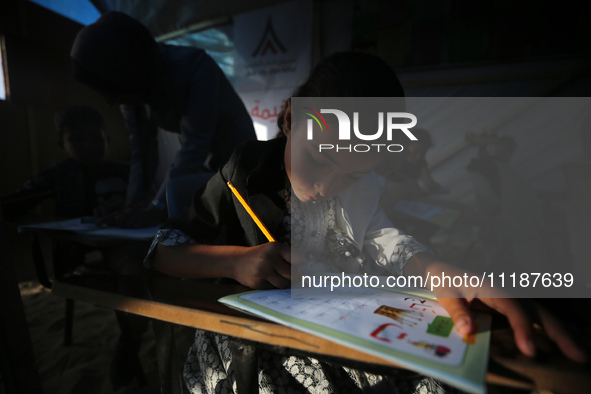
[349, 74]
[77, 117]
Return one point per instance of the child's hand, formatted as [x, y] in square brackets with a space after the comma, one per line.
[265, 266]
[523, 315]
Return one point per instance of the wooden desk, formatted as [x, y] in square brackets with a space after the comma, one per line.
[194, 304]
[64, 237]
[59, 261]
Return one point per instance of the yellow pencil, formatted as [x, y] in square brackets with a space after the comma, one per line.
[251, 213]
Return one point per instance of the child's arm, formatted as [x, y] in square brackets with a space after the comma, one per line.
[215, 207]
[521, 318]
[258, 267]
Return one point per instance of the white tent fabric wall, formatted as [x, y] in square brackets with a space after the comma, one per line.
[538, 157]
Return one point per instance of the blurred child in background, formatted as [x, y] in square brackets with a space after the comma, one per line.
[84, 184]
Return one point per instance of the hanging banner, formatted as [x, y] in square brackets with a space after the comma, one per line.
[264, 107]
[273, 54]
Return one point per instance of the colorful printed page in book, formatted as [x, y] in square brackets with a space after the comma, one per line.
[416, 333]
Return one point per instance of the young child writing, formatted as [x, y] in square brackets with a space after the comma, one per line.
[282, 180]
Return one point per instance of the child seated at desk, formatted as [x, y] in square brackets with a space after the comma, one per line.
[84, 184]
[280, 179]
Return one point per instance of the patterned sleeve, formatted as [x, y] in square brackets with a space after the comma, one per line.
[405, 249]
[391, 249]
[166, 237]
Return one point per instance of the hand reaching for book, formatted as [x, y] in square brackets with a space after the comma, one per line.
[525, 316]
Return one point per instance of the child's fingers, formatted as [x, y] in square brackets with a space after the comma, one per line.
[278, 281]
[555, 331]
[283, 269]
[285, 252]
[520, 322]
[459, 312]
[264, 285]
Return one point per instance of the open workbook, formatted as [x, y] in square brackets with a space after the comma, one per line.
[90, 227]
[408, 329]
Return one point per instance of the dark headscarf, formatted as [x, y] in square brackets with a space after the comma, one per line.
[116, 55]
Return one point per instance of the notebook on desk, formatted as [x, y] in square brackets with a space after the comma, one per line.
[415, 333]
[90, 227]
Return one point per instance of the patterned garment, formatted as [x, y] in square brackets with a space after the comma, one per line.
[210, 369]
[166, 237]
[324, 237]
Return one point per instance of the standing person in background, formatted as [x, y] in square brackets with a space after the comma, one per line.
[177, 89]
